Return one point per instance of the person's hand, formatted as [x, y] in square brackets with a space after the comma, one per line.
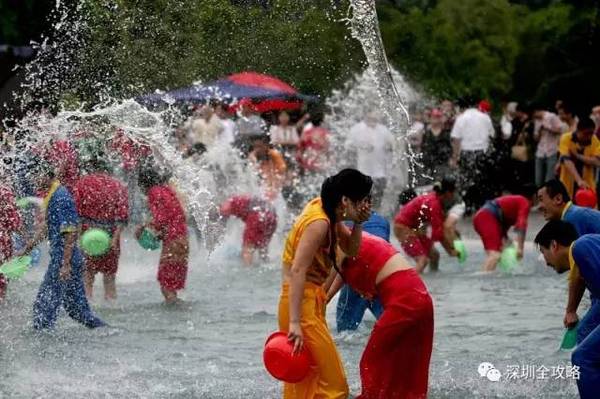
[65, 271]
[571, 319]
[453, 253]
[138, 231]
[453, 163]
[583, 184]
[363, 212]
[574, 155]
[295, 336]
[519, 253]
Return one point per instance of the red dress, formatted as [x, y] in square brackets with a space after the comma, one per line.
[168, 219]
[258, 215]
[102, 201]
[10, 221]
[395, 362]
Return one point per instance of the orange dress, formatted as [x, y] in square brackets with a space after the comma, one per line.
[326, 378]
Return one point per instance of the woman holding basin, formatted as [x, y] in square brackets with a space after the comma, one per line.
[308, 258]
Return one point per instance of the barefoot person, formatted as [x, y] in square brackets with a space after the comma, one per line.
[564, 252]
[411, 222]
[261, 222]
[63, 281]
[308, 257]
[395, 362]
[492, 222]
[102, 202]
[169, 222]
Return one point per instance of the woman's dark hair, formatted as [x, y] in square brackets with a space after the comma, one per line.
[347, 183]
[150, 177]
[447, 185]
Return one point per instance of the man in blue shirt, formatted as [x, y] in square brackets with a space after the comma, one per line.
[351, 306]
[555, 204]
[563, 251]
[63, 282]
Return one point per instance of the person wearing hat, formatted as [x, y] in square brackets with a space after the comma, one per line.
[492, 222]
[411, 222]
[562, 250]
[63, 281]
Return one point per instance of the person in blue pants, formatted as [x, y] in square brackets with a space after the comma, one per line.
[563, 251]
[351, 306]
[63, 281]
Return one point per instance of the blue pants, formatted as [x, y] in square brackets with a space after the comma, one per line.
[351, 308]
[70, 294]
[587, 354]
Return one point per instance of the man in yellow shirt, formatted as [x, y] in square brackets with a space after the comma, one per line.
[563, 251]
[270, 166]
[579, 153]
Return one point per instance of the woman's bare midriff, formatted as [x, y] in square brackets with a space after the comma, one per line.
[395, 264]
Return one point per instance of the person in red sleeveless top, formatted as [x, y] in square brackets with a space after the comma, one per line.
[395, 362]
[411, 222]
[492, 222]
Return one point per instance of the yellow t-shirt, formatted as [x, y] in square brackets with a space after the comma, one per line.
[321, 266]
[574, 272]
[568, 143]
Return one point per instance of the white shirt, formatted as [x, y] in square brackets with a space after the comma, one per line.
[474, 129]
[373, 145]
[284, 135]
[203, 131]
[228, 133]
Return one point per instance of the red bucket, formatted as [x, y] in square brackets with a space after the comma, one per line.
[586, 197]
[280, 362]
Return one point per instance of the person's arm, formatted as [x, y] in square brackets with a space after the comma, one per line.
[455, 152]
[572, 170]
[117, 236]
[312, 239]
[521, 227]
[588, 160]
[576, 290]
[335, 286]
[436, 219]
[349, 240]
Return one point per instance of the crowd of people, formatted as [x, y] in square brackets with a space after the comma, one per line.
[59, 190]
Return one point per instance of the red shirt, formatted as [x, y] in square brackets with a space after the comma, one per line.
[515, 210]
[422, 210]
[131, 151]
[63, 156]
[10, 221]
[361, 272]
[102, 198]
[312, 148]
[168, 217]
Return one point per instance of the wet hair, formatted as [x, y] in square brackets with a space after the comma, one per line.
[347, 183]
[406, 196]
[150, 177]
[556, 230]
[555, 187]
[446, 185]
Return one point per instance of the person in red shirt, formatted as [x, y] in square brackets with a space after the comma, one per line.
[62, 155]
[260, 219]
[492, 222]
[102, 202]
[395, 362]
[10, 222]
[411, 222]
[169, 222]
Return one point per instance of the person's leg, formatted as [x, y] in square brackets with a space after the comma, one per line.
[590, 321]
[550, 166]
[489, 229]
[247, 252]
[587, 358]
[327, 379]
[47, 303]
[540, 171]
[491, 261]
[434, 259]
[350, 309]
[110, 286]
[379, 185]
[3, 284]
[88, 281]
[76, 304]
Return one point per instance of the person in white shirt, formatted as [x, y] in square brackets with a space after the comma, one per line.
[373, 143]
[228, 134]
[204, 126]
[547, 131]
[471, 135]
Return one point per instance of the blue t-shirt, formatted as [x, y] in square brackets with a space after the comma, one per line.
[62, 218]
[585, 220]
[586, 255]
[377, 225]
